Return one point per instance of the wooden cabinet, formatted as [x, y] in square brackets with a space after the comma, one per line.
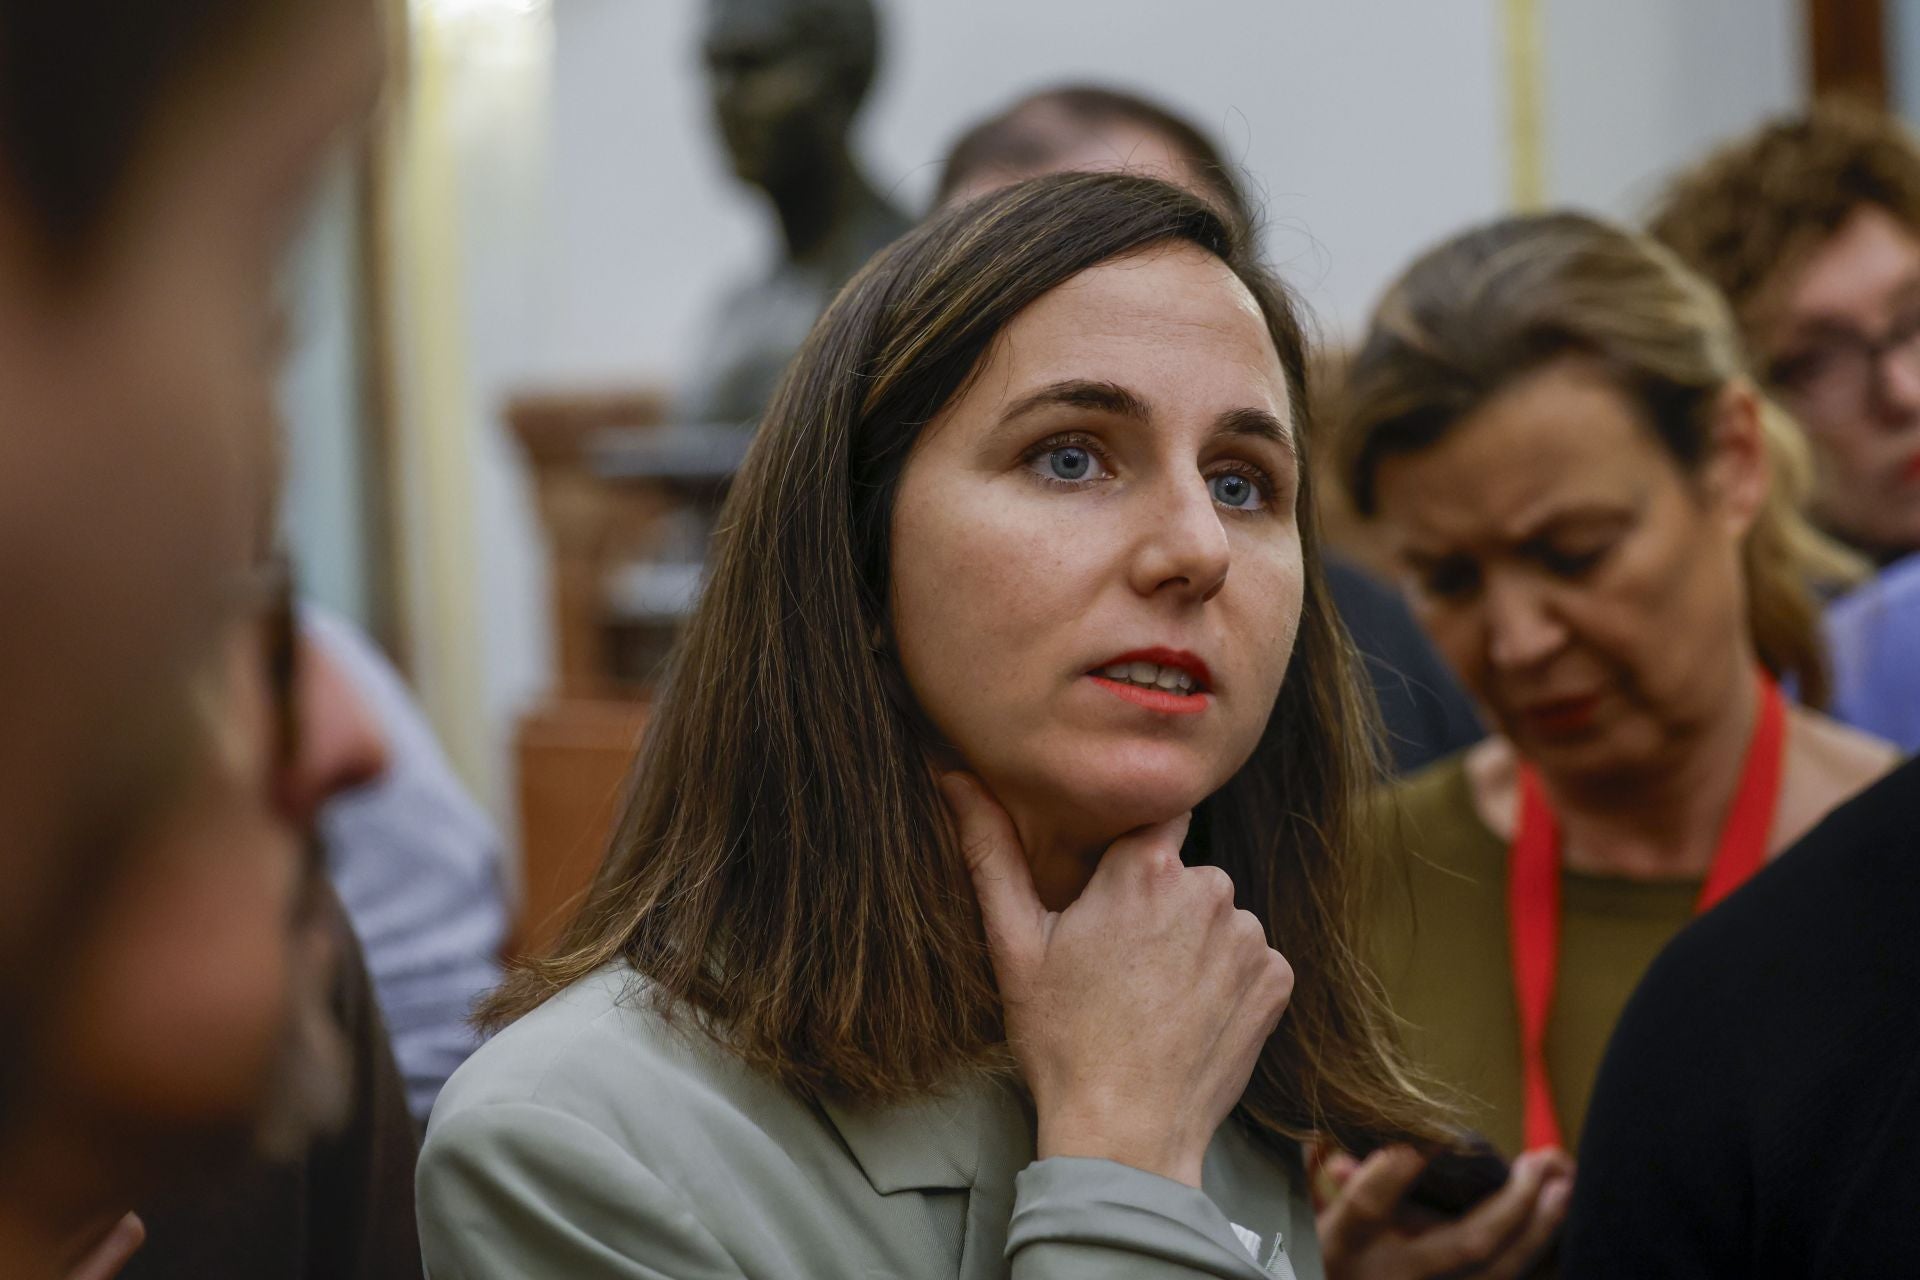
[627, 501]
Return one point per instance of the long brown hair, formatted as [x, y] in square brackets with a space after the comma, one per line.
[785, 868]
[1482, 310]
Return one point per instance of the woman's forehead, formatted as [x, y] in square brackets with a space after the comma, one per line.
[1168, 316]
[1562, 438]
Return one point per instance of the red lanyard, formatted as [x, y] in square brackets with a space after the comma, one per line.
[1533, 893]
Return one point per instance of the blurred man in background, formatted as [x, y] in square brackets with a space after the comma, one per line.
[1811, 227]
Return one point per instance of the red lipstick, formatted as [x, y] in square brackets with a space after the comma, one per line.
[1162, 700]
[1562, 717]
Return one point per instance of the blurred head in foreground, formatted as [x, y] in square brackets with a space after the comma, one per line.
[156, 783]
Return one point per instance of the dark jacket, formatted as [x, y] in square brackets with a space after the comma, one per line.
[1758, 1112]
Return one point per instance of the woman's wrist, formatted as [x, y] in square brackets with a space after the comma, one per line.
[1122, 1140]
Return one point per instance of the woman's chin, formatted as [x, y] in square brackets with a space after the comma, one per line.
[1118, 803]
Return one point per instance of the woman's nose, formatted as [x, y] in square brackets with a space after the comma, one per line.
[341, 745]
[1897, 388]
[1183, 542]
[1522, 630]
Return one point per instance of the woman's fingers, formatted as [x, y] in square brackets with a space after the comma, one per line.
[1016, 922]
[1369, 1197]
[1137, 1012]
[1526, 1248]
[1478, 1238]
[1150, 853]
[106, 1258]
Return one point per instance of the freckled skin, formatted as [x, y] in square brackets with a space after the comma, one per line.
[1008, 588]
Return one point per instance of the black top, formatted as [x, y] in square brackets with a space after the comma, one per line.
[1758, 1112]
[343, 1211]
[1427, 715]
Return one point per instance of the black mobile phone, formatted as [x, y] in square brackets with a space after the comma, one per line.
[1458, 1178]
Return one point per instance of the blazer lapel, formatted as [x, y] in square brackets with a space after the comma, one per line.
[972, 1140]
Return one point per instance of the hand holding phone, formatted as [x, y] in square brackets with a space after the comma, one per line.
[1378, 1227]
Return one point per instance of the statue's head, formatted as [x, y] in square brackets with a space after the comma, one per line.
[787, 78]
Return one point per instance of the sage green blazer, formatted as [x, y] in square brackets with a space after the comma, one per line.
[591, 1140]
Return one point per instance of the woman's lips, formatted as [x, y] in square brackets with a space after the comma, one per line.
[1172, 681]
[1179, 704]
[1561, 717]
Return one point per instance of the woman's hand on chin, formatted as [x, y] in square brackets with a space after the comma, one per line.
[1138, 1012]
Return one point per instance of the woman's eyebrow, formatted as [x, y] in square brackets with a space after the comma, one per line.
[1258, 423]
[1082, 393]
[1110, 397]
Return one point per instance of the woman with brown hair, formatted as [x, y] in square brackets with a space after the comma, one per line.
[1026, 536]
[1599, 519]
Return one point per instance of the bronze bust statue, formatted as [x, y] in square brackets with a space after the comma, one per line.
[787, 78]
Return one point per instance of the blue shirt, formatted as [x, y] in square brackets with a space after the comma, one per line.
[1874, 634]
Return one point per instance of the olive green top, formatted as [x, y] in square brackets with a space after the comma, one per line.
[1443, 952]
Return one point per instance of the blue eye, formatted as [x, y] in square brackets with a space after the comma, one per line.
[1231, 489]
[1070, 463]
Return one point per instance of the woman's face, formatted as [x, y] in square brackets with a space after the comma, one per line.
[1096, 568]
[1585, 588]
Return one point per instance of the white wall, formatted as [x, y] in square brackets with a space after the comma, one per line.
[1637, 89]
[325, 510]
[1374, 127]
[1903, 52]
[1371, 124]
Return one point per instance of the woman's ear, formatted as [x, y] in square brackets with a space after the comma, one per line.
[1738, 470]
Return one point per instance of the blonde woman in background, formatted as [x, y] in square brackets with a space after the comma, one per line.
[1598, 517]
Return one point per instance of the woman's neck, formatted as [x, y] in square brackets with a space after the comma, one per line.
[1063, 849]
[1664, 819]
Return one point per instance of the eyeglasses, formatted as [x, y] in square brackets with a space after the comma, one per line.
[283, 658]
[271, 589]
[266, 594]
[1838, 375]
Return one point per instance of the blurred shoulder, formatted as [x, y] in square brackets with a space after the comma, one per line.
[1827, 764]
[1462, 790]
[1437, 814]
